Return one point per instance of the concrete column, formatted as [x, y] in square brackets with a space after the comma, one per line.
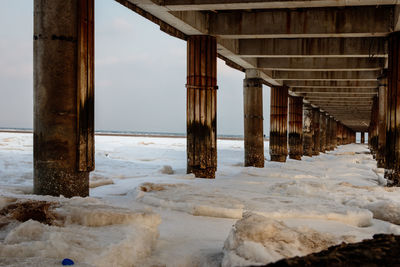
[308, 131]
[362, 138]
[253, 123]
[328, 137]
[63, 64]
[339, 134]
[278, 128]
[202, 106]
[316, 134]
[374, 126]
[392, 154]
[322, 127]
[295, 127]
[380, 155]
[334, 133]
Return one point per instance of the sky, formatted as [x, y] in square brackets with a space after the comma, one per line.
[140, 74]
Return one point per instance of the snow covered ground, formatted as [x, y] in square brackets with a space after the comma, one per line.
[144, 209]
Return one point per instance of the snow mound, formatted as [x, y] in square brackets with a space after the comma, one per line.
[186, 198]
[90, 234]
[257, 240]
[166, 169]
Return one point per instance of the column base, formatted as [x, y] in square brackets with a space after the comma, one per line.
[278, 158]
[208, 173]
[393, 177]
[255, 161]
[56, 182]
[315, 153]
[380, 163]
[295, 157]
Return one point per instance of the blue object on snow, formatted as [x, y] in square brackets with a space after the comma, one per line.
[67, 262]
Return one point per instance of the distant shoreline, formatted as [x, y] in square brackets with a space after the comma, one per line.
[127, 134]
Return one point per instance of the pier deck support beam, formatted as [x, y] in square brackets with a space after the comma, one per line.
[362, 138]
[63, 97]
[253, 123]
[278, 123]
[202, 106]
[295, 127]
[317, 133]
[308, 131]
[322, 127]
[380, 155]
[392, 154]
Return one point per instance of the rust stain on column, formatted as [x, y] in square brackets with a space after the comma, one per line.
[317, 133]
[322, 127]
[63, 97]
[328, 138]
[308, 131]
[278, 130]
[380, 154]
[202, 106]
[295, 127]
[374, 126]
[253, 123]
[339, 134]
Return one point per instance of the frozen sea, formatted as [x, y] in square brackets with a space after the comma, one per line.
[144, 210]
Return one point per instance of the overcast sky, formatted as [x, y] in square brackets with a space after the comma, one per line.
[139, 80]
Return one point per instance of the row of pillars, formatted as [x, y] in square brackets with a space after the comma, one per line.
[310, 132]
[64, 106]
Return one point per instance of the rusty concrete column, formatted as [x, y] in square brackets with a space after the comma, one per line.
[392, 151]
[339, 134]
[322, 127]
[362, 138]
[278, 123]
[201, 107]
[316, 134]
[380, 155]
[63, 64]
[374, 126]
[295, 127]
[253, 123]
[328, 137]
[334, 133]
[308, 131]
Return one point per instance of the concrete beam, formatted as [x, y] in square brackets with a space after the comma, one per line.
[368, 21]
[313, 47]
[332, 84]
[326, 75]
[334, 95]
[181, 5]
[336, 91]
[321, 64]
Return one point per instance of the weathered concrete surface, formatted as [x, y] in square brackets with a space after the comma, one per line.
[380, 155]
[253, 123]
[313, 47]
[326, 75]
[202, 106]
[295, 127]
[337, 22]
[278, 144]
[320, 64]
[308, 130]
[187, 5]
[316, 133]
[63, 97]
